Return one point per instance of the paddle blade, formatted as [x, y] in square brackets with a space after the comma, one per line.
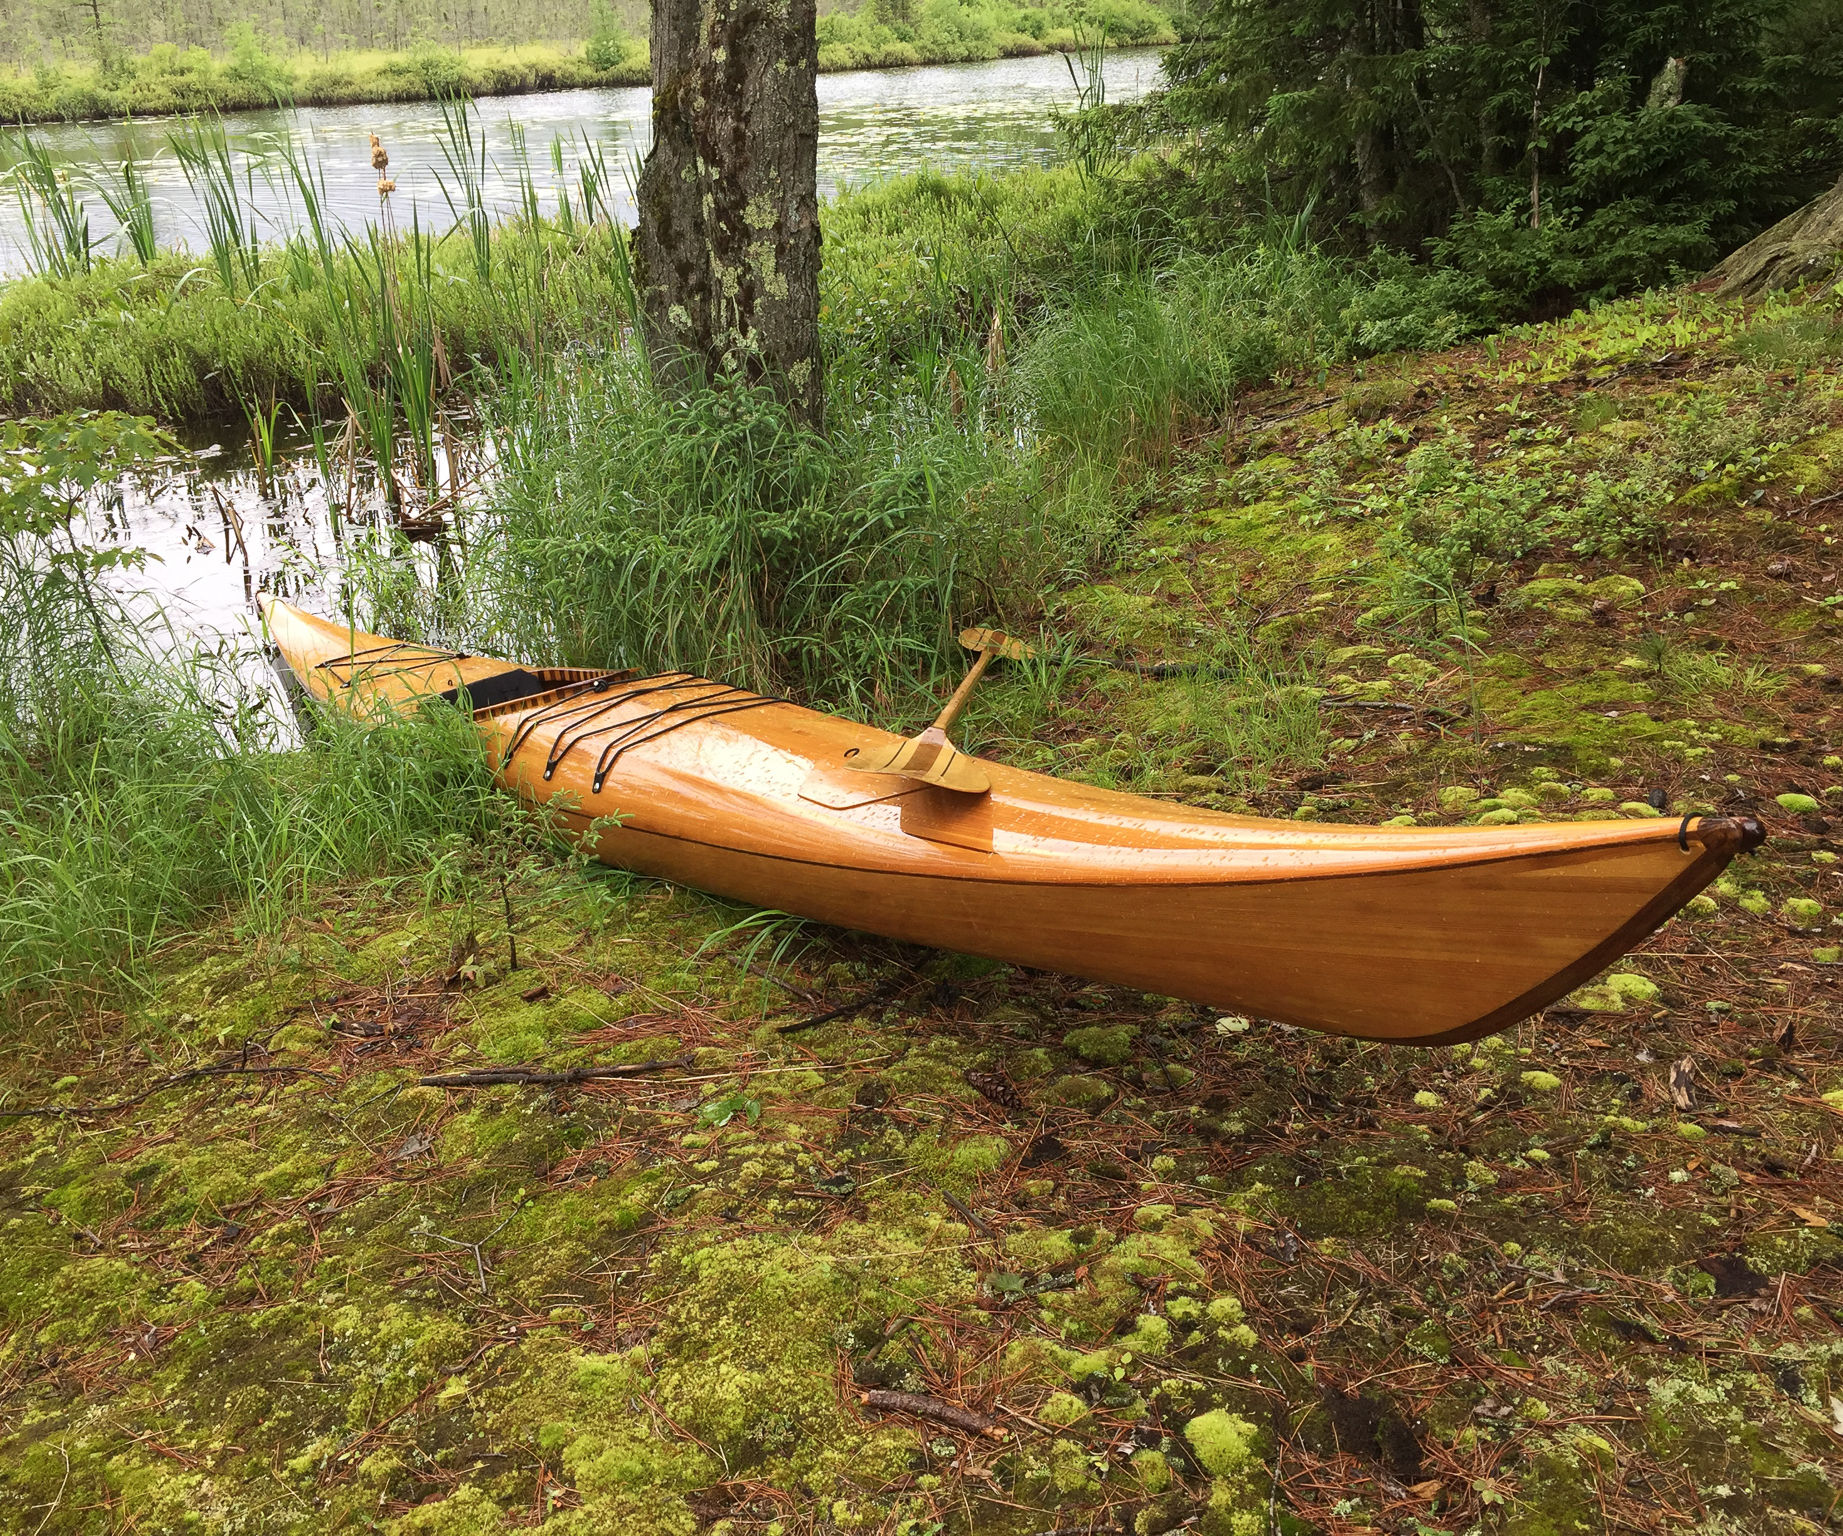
[997, 642]
[929, 758]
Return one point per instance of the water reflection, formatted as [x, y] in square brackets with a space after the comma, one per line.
[871, 124]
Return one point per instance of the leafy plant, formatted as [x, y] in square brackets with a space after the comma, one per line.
[48, 472]
[734, 1105]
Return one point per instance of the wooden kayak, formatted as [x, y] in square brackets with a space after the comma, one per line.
[1425, 935]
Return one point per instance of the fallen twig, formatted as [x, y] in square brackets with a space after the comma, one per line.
[883, 993]
[967, 1214]
[224, 1069]
[1434, 711]
[923, 1407]
[1298, 410]
[492, 1077]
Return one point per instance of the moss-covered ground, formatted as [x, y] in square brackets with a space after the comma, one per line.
[989, 1251]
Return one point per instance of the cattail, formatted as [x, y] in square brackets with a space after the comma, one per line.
[380, 157]
[386, 186]
[995, 342]
[956, 392]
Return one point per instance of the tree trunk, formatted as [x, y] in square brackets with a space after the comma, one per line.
[1805, 247]
[727, 255]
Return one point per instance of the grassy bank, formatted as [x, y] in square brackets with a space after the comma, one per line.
[167, 80]
[906, 264]
[166, 340]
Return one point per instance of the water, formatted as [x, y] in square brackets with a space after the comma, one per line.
[871, 124]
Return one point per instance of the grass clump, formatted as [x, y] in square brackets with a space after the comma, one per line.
[137, 809]
[712, 533]
[140, 785]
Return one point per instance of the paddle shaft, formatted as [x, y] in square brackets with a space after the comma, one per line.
[950, 711]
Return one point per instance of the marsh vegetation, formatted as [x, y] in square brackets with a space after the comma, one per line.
[133, 59]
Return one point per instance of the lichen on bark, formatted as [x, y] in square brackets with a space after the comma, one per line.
[727, 253]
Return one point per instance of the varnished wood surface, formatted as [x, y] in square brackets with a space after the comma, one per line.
[1411, 934]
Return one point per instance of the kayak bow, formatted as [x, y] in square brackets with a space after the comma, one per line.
[1407, 934]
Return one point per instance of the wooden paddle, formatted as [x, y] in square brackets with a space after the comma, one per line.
[931, 758]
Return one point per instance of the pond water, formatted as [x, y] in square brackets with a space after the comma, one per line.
[872, 123]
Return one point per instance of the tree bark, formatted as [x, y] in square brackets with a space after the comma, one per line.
[1805, 247]
[727, 254]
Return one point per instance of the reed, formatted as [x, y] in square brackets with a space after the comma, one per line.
[130, 202]
[566, 213]
[411, 346]
[1094, 144]
[262, 420]
[593, 182]
[530, 208]
[463, 147]
[57, 223]
[206, 158]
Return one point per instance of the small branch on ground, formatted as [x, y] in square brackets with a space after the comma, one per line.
[942, 1412]
[882, 995]
[492, 1077]
[223, 1069]
[967, 1214]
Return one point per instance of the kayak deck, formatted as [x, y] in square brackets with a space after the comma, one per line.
[1411, 934]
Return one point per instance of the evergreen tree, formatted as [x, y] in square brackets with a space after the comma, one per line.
[1563, 149]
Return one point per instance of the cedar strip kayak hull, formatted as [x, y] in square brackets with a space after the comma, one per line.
[1423, 935]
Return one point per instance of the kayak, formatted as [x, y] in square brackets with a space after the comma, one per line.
[1418, 935]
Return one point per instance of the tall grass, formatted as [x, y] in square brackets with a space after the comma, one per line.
[463, 147]
[148, 802]
[594, 182]
[141, 790]
[140, 785]
[57, 223]
[131, 202]
[230, 225]
[713, 533]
